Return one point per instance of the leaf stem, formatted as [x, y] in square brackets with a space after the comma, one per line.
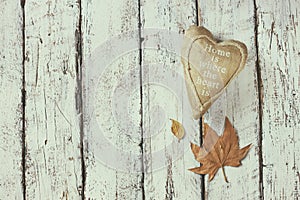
[224, 174]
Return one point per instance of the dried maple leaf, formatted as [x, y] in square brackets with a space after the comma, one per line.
[177, 129]
[218, 152]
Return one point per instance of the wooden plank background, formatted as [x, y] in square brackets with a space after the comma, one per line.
[88, 88]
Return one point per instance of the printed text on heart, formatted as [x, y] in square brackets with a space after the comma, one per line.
[212, 70]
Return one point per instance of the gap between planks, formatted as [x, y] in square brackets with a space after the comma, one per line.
[260, 100]
[79, 95]
[23, 101]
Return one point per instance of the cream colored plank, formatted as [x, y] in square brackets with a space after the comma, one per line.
[278, 39]
[52, 127]
[235, 20]
[112, 100]
[10, 101]
[166, 161]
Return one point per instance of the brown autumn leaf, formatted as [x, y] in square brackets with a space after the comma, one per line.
[177, 129]
[218, 151]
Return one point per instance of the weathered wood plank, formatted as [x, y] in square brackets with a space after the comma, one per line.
[235, 20]
[52, 130]
[112, 100]
[52, 122]
[166, 161]
[278, 42]
[10, 101]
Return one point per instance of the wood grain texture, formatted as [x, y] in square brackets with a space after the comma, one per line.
[235, 20]
[112, 100]
[279, 51]
[166, 160]
[132, 83]
[53, 165]
[10, 101]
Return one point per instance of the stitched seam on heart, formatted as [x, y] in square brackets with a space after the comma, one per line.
[191, 85]
[188, 62]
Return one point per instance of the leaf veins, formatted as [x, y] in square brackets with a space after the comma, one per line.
[218, 152]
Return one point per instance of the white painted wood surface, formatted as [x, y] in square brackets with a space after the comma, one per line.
[112, 100]
[53, 164]
[131, 85]
[236, 21]
[279, 56]
[164, 96]
[11, 100]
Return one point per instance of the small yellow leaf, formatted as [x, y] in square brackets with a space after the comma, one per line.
[177, 129]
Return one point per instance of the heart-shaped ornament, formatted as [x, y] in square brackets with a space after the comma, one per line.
[209, 66]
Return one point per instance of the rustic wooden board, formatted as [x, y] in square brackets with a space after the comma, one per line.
[166, 161]
[11, 100]
[53, 164]
[112, 100]
[132, 83]
[235, 20]
[278, 41]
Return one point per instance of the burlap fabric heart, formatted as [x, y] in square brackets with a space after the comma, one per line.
[209, 66]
